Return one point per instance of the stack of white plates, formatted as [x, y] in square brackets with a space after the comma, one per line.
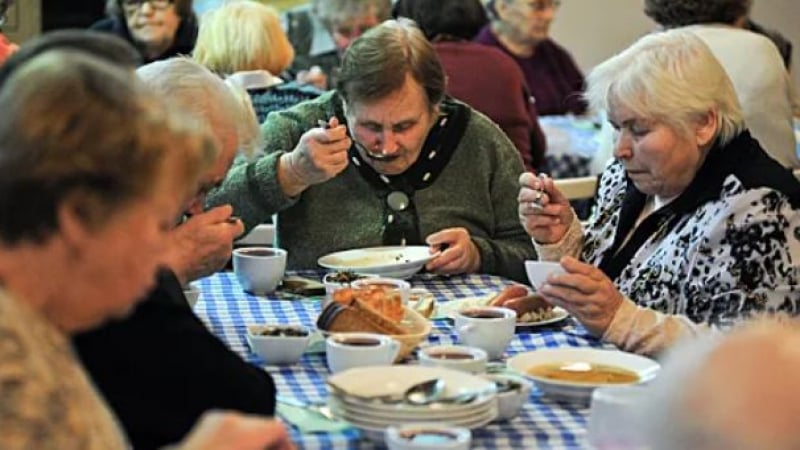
[348, 399]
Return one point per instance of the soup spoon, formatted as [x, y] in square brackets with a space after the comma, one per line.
[422, 393]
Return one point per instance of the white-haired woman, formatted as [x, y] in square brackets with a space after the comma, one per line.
[695, 225]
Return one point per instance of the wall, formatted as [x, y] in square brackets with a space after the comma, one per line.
[23, 20]
[594, 30]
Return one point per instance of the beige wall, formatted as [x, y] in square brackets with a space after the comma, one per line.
[23, 20]
[593, 30]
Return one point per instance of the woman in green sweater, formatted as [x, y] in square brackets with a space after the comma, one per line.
[385, 159]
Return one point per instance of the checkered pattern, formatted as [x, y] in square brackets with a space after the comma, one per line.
[543, 424]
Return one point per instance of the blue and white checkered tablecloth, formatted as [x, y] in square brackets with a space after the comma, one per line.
[543, 424]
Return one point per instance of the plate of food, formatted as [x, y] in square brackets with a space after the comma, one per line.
[532, 310]
[392, 261]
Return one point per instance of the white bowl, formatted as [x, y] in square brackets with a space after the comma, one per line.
[510, 402]
[428, 436]
[645, 368]
[539, 270]
[278, 349]
[392, 261]
[473, 362]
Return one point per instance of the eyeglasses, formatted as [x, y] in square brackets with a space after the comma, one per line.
[136, 4]
[544, 5]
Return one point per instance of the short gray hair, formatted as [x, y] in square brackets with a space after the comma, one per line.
[670, 77]
[678, 13]
[330, 12]
[204, 96]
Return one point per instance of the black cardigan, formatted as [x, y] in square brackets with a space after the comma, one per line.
[160, 369]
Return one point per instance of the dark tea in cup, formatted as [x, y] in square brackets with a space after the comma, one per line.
[451, 355]
[423, 436]
[258, 252]
[359, 341]
[482, 314]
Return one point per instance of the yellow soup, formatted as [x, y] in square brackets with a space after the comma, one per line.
[583, 372]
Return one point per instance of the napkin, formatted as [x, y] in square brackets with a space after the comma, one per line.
[307, 421]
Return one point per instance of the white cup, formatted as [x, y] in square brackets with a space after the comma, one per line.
[259, 269]
[347, 350]
[458, 357]
[489, 328]
[611, 407]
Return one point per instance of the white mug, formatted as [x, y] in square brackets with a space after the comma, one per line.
[259, 269]
[347, 350]
[489, 328]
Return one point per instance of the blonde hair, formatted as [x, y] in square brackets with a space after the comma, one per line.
[243, 35]
[670, 77]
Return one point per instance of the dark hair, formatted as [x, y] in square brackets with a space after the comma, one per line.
[184, 9]
[678, 13]
[376, 64]
[105, 46]
[461, 19]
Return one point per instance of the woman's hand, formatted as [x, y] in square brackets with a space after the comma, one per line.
[544, 211]
[586, 292]
[458, 253]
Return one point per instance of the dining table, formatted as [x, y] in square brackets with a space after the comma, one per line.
[542, 423]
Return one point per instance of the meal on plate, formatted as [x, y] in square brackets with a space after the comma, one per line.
[529, 307]
[584, 372]
[370, 309]
[279, 330]
[344, 277]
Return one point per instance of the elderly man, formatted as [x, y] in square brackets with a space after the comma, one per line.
[396, 163]
[161, 368]
[734, 392]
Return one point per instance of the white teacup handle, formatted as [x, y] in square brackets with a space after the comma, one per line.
[466, 328]
[394, 346]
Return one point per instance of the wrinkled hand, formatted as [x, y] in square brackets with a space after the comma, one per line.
[460, 254]
[320, 155]
[586, 292]
[235, 431]
[314, 76]
[544, 211]
[203, 244]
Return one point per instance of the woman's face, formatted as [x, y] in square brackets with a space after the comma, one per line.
[659, 160]
[528, 21]
[115, 264]
[152, 24]
[395, 126]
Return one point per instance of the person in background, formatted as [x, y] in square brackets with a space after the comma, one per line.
[737, 391]
[84, 167]
[244, 43]
[161, 368]
[6, 47]
[396, 163]
[159, 29]
[695, 226]
[762, 84]
[321, 32]
[521, 29]
[483, 77]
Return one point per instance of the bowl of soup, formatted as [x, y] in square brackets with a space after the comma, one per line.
[572, 374]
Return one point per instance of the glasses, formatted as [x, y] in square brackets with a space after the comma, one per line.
[540, 6]
[136, 4]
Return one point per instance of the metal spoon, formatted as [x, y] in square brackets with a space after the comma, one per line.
[424, 393]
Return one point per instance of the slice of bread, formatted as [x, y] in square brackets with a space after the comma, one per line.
[356, 316]
[384, 301]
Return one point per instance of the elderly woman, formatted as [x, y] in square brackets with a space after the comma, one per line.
[321, 32]
[158, 28]
[82, 169]
[695, 225]
[765, 94]
[498, 89]
[244, 42]
[395, 164]
[520, 28]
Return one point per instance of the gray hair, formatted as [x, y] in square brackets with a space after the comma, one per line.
[222, 107]
[331, 12]
[77, 128]
[670, 77]
[376, 64]
[678, 13]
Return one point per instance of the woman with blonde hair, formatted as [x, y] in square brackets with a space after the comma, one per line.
[243, 41]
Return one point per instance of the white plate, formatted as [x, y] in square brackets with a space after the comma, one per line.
[394, 262]
[339, 406]
[436, 410]
[388, 380]
[371, 423]
[645, 368]
[447, 310]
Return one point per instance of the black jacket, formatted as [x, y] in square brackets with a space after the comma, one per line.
[160, 369]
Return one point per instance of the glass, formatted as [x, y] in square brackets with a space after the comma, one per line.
[615, 418]
[136, 4]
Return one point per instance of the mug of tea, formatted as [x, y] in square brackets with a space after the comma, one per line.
[259, 269]
[428, 436]
[458, 357]
[489, 328]
[347, 350]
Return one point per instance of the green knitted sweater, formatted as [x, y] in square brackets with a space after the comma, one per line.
[477, 190]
